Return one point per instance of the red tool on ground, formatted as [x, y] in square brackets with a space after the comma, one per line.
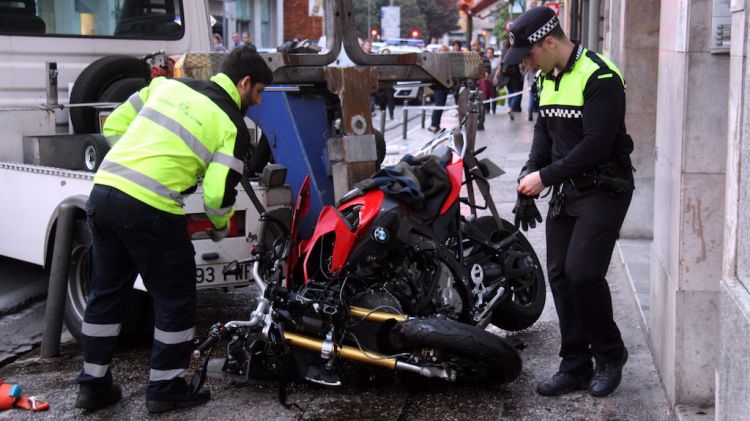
[10, 397]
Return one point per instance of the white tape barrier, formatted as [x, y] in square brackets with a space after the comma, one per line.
[453, 107]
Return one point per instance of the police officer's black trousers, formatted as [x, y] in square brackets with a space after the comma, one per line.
[128, 238]
[579, 248]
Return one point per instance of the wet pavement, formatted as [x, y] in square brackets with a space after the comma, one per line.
[640, 396]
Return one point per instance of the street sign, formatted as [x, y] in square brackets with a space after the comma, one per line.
[390, 22]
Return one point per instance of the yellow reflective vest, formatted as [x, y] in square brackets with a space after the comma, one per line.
[172, 134]
[581, 121]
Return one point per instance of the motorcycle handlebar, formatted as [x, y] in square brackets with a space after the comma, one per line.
[214, 336]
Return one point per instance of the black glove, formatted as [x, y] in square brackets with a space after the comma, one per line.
[527, 215]
[528, 168]
[217, 235]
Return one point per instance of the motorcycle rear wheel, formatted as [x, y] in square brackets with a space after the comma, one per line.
[478, 355]
[524, 306]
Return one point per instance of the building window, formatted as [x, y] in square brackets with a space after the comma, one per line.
[143, 19]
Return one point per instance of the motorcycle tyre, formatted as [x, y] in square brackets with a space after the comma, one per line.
[495, 360]
[509, 315]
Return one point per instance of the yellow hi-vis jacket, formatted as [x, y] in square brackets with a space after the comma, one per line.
[170, 135]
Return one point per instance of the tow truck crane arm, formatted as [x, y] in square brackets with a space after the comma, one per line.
[317, 118]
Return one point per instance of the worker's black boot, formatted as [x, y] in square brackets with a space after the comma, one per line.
[562, 383]
[177, 394]
[607, 376]
[177, 402]
[96, 396]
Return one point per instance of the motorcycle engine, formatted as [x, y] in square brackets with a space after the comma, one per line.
[420, 274]
[447, 296]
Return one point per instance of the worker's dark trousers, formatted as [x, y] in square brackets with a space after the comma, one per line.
[130, 237]
[579, 247]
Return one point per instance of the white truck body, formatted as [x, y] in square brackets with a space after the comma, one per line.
[32, 194]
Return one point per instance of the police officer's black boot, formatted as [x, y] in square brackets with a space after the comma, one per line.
[96, 396]
[562, 383]
[607, 376]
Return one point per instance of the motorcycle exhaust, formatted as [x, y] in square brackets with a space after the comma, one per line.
[368, 357]
[375, 316]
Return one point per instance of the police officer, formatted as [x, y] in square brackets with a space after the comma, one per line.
[582, 150]
[166, 137]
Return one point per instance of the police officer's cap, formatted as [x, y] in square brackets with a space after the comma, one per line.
[530, 27]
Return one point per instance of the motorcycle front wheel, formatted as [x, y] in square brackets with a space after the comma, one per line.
[477, 355]
[526, 302]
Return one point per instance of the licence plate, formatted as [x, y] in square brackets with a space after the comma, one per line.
[212, 276]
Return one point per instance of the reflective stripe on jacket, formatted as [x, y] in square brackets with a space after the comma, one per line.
[170, 135]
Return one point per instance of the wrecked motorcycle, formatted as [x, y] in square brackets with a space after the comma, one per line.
[402, 233]
[384, 283]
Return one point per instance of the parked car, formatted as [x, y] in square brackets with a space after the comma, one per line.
[403, 42]
[413, 92]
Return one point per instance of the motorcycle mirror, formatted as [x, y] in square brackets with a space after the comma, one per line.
[492, 170]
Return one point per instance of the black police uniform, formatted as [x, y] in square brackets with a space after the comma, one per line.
[580, 145]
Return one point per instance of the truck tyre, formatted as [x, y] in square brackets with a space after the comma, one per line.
[94, 80]
[93, 150]
[137, 325]
[120, 91]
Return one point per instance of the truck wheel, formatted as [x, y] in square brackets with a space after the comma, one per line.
[94, 80]
[137, 324]
[120, 91]
[93, 150]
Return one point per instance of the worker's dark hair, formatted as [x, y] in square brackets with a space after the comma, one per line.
[245, 61]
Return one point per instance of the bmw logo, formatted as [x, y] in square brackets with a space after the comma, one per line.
[380, 234]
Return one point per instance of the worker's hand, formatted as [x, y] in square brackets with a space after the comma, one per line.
[218, 234]
[531, 185]
[527, 215]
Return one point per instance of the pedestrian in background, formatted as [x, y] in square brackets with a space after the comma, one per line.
[509, 76]
[385, 94]
[236, 41]
[489, 54]
[441, 97]
[166, 137]
[366, 46]
[218, 45]
[246, 40]
[582, 150]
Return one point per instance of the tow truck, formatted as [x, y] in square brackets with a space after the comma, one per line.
[315, 119]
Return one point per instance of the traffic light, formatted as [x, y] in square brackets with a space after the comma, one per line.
[373, 34]
[465, 6]
[415, 33]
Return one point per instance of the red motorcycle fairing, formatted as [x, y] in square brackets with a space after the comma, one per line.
[331, 220]
[455, 174]
[301, 207]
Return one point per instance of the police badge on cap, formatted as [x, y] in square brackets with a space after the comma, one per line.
[529, 28]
